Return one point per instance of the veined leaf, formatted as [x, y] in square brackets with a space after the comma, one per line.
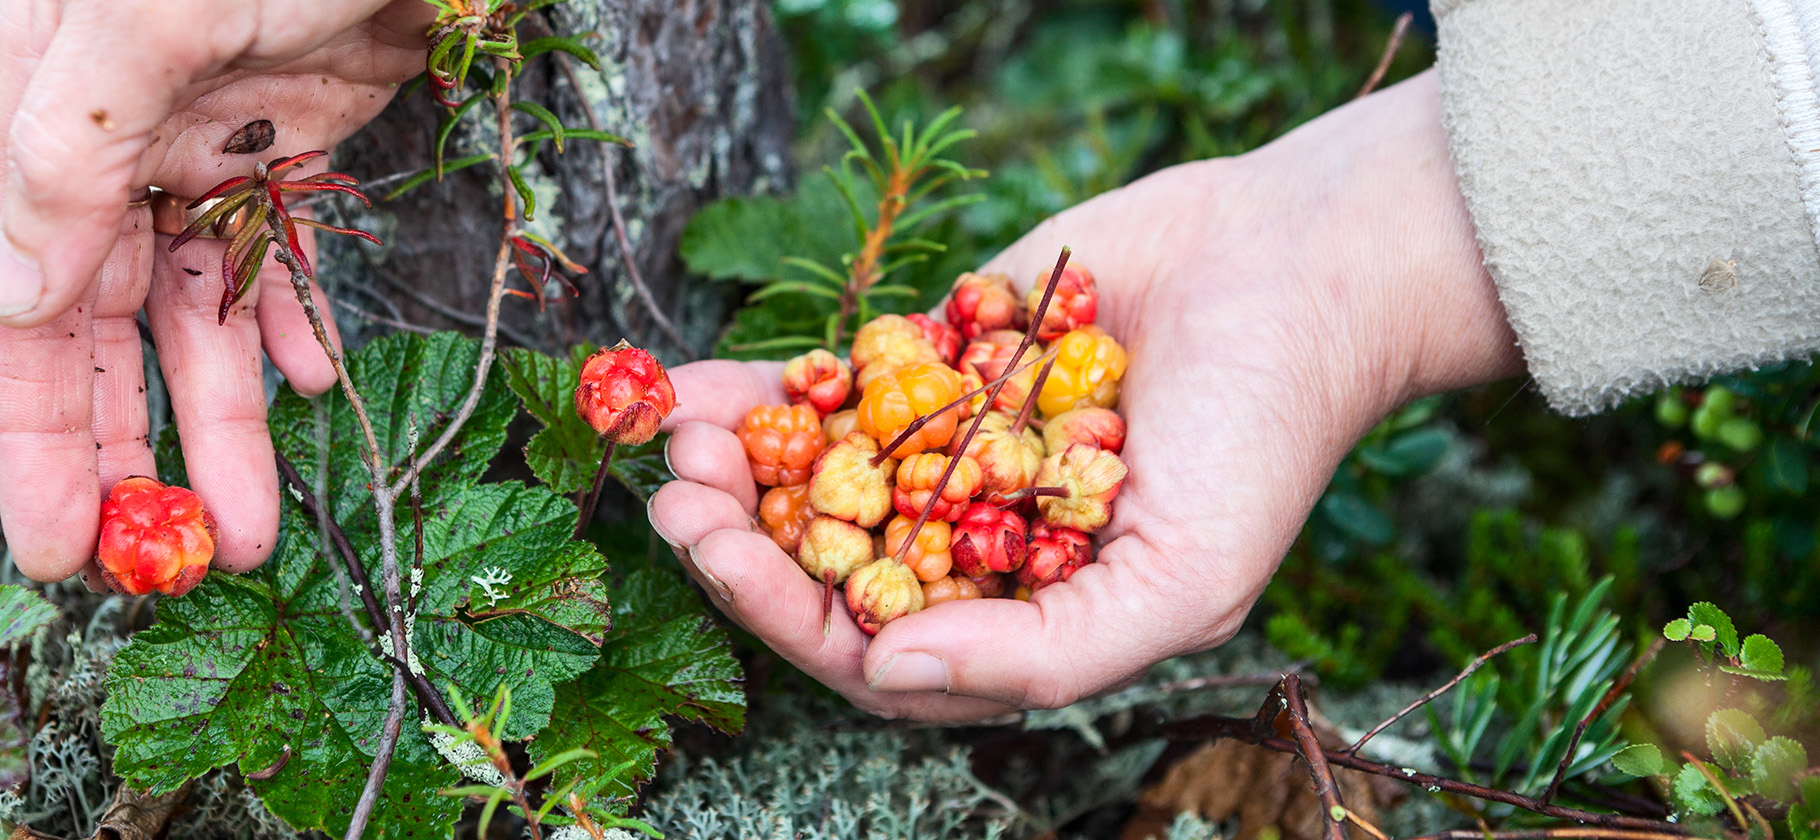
[22, 612]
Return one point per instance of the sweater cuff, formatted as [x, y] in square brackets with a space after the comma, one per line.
[1641, 175]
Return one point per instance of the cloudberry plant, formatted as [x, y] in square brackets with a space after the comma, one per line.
[916, 480]
[847, 485]
[785, 513]
[781, 443]
[981, 303]
[1088, 366]
[929, 556]
[624, 394]
[894, 401]
[987, 540]
[820, 379]
[1075, 304]
[154, 538]
[1091, 478]
[882, 592]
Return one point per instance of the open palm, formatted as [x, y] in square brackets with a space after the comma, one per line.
[1274, 307]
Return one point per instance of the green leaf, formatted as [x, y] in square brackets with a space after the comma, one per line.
[1703, 633]
[1694, 794]
[1775, 766]
[1677, 630]
[748, 238]
[1358, 518]
[247, 667]
[1639, 760]
[1732, 735]
[567, 452]
[665, 657]
[544, 116]
[1704, 612]
[428, 175]
[538, 46]
[1408, 454]
[524, 192]
[1761, 655]
[1785, 466]
[22, 612]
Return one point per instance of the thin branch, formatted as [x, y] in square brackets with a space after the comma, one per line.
[1395, 43]
[1430, 696]
[382, 760]
[1333, 808]
[465, 318]
[1611, 696]
[1036, 322]
[382, 320]
[1565, 833]
[592, 500]
[1731, 802]
[1036, 390]
[626, 256]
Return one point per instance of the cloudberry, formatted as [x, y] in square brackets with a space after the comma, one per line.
[840, 424]
[1075, 304]
[887, 343]
[1088, 366]
[833, 546]
[154, 537]
[947, 340]
[624, 394]
[781, 443]
[785, 512]
[845, 484]
[987, 540]
[1094, 426]
[1008, 462]
[818, 378]
[992, 584]
[950, 588]
[981, 303]
[989, 356]
[1055, 554]
[928, 556]
[916, 480]
[893, 401]
[1092, 477]
[882, 592]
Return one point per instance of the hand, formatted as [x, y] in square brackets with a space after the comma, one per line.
[99, 99]
[1275, 306]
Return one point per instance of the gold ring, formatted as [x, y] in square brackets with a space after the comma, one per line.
[141, 198]
[172, 215]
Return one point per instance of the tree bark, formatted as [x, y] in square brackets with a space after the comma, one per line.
[701, 87]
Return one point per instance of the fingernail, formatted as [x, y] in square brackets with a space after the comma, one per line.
[21, 281]
[912, 671]
[726, 592]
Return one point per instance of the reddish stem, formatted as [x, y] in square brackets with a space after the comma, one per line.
[917, 425]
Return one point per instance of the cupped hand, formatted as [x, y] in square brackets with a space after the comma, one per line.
[98, 100]
[1274, 306]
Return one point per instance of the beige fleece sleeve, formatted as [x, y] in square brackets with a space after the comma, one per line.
[1633, 172]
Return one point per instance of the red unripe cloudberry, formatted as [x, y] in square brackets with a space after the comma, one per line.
[1094, 426]
[947, 339]
[624, 394]
[981, 303]
[154, 537]
[1055, 554]
[1075, 304]
[820, 379]
[987, 540]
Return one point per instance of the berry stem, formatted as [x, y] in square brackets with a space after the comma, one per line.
[1016, 496]
[1036, 389]
[592, 500]
[1036, 322]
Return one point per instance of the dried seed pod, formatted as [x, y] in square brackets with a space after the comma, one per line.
[846, 485]
[981, 303]
[624, 394]
[1092, 478]
[820, 379]
[154, 538]
[882, 592]
[1094, 426]
[834, 546]
[887, 343]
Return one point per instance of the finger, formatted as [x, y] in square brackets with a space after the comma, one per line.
[767, 593]
[90, 112]
[122, 427]
[708, 454]
[284, 328]
[721, 392]
[218, 396]
[1102, 628]
[50, 496]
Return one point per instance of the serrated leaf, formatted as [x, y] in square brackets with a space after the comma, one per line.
[22, 612]
[1639, 760]
[1761, 655]
[1694, 794]
[1732, 735]
[1677, 630]
[567, 453]
[1703, 633]
[1775, 766]
[665, 657]
[748, 238]
[247, 666]
[1705, 612]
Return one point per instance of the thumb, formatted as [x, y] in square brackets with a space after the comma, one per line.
[1101, 629]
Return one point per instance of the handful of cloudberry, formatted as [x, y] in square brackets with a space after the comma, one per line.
[154, 538]
[985, 506]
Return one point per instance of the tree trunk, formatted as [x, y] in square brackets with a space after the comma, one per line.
[701, 87]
